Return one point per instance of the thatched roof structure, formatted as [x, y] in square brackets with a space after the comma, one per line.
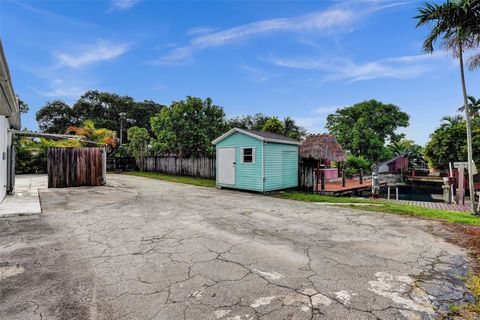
[322, 146]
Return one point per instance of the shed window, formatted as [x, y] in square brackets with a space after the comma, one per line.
[248, 155]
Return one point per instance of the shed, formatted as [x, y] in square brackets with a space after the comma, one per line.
[398, 164]
[256, 161]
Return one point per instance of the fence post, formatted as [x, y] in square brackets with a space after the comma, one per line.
[343, 178]
[322, 180]
[361, 176]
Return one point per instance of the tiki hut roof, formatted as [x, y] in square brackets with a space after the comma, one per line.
[322, 146]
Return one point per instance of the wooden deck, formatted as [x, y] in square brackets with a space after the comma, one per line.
[434, 205]
[335, 187]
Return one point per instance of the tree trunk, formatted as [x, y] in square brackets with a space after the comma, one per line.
[469, 130]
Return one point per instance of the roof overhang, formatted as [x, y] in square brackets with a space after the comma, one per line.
[232, 131]
[8, 101]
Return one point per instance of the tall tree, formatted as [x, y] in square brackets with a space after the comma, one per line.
[112, 111]
[414, 152]
[448, 143]
[55, 117]
[456, 24]
[449, 121]
[92, 134]
[258, 122]
[138, 139]
[473, 106]
[187, 127]
[274, 125]
[22, 106]
[364, 128]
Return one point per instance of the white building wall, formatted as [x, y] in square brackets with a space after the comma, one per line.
[3, 156]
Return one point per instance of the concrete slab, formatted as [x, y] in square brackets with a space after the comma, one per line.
[148, 249]
[25, 201]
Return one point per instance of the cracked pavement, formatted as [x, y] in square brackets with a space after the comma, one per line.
[148, 249]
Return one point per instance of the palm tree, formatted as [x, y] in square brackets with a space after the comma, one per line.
[92, 135]
[474, 107]
[449, 121]
[456, 24]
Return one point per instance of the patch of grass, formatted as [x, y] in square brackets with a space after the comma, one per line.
[454, 309]
[473, 284]
[387, 207]
[471, 310]
[185, 180]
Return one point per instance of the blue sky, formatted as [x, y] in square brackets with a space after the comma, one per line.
[298, 59]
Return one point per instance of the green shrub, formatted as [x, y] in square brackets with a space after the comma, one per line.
[353, 164]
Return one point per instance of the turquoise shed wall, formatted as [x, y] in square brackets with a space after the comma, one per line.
[248, 176]
[281, 166]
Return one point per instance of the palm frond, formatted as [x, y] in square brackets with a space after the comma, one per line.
[474, 62]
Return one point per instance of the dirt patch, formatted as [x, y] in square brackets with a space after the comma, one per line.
[467, 237]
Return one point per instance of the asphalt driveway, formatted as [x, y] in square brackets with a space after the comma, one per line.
[148, 249]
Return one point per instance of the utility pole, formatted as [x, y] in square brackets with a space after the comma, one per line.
[121, 115]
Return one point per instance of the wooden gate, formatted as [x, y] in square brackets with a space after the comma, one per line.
[74, 167]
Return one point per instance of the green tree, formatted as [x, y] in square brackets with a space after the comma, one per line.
[274, 125]
[107, 110]
[187, 127]
[473, 106]
[353, 165]
[138, 140]
[414, 152]
[55, 117]
[364, 128]
[448, 143]
[91, 134]
[292, 130]
[457, 25]
[448, 121]
[22, 106]
[258, 121]
[255, 122]
[31, 153]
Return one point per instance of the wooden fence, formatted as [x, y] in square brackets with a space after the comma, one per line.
[74, 167]
[194, 167]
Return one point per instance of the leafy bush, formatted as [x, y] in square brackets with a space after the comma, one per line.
[353, 164]
[31, 154]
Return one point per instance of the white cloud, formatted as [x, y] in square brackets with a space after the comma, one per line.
[122, 4]
[59, 88]
[327, 20]
[199, 30]
[321, 110]
[403, 67]
[54, 16]
[258, 75]
[312, 124]
[101, 51]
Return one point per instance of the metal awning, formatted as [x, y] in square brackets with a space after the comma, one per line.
[52, 136]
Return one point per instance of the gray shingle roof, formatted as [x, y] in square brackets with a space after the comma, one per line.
[270, 135]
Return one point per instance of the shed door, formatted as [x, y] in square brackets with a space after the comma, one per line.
[226, 166]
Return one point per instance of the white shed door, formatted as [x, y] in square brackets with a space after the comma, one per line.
[226, 166]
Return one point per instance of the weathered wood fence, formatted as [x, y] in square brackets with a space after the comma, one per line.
[119, 164]
[74, 167]
[194, 167]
